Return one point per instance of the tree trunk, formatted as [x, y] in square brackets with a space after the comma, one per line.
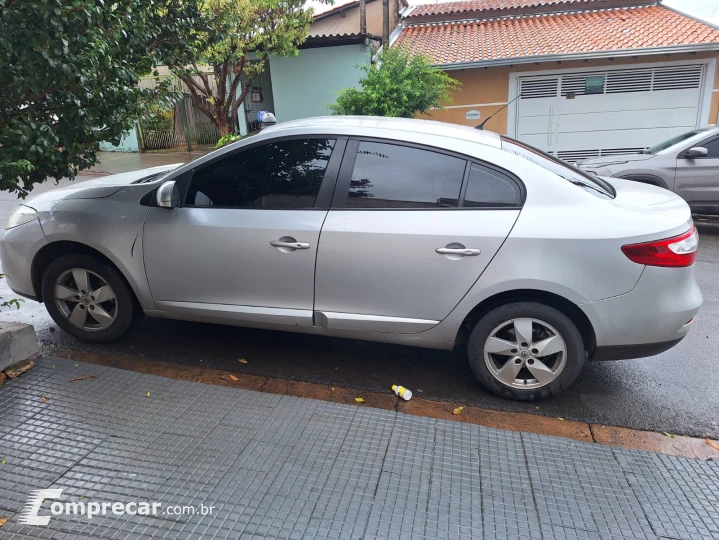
[223, 125]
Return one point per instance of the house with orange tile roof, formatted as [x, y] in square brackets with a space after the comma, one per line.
[577, 78]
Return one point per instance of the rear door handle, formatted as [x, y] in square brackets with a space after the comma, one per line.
[289, 245]
[465, 252]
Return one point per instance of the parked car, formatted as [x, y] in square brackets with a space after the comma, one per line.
[393, 230]
[687, 164]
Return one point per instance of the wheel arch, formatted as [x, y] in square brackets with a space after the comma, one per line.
[646, 179]
[567, 307]
[53, 250]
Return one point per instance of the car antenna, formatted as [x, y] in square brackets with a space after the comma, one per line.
[481, 126]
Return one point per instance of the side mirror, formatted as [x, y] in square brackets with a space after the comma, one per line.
[168, 195]
[695, 152]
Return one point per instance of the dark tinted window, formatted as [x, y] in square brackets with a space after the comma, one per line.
[285, 174]
[393, 176]
[488, 187]
[712, 148]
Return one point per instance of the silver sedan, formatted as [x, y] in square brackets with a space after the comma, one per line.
[392, 230]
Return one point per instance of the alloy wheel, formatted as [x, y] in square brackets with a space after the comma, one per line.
[525, 353]
[85, 299]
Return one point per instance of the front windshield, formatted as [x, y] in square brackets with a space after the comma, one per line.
[560, 168]
[675, 140]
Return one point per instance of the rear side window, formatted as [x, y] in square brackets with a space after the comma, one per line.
[395, 176]
[490, 188]
[277, 175]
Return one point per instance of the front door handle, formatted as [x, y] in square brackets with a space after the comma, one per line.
[464, 252]
[287, 244]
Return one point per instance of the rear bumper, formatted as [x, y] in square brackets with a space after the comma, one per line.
[624, 352]
[656, 313]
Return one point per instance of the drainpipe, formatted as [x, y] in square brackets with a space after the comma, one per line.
[385, 22]
[363, 17]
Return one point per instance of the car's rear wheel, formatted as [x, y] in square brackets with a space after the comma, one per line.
[88, 299]
[525, 351]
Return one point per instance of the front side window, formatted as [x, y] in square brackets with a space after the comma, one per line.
[490, 188]
[395, 176]
[277, 175]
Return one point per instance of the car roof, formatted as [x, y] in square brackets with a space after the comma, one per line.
[350, 124]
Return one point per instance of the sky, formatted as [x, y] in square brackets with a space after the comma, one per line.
[705, 9]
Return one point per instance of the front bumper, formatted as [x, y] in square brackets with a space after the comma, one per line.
[651, 318]
[18, 247]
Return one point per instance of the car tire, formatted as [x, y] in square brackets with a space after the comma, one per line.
[534, 368]
[69, 298]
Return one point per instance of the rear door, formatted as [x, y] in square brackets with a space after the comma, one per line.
[409, 232]
[697, 179]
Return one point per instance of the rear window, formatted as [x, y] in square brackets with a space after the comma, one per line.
[590, 183]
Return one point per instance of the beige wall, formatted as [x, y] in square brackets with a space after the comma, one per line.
[486, 86]
[347, 21]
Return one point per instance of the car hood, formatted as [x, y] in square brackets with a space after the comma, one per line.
[619, 158]
[646, 198]
[99, 187]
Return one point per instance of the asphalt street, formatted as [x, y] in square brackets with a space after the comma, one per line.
[676, 392]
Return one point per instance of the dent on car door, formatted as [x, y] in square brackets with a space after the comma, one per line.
[410, 231]
[242, 246]
[697, 179]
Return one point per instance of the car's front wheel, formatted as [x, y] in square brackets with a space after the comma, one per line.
[88, 299]
[525, 351]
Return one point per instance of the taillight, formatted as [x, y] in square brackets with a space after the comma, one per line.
[676, 252]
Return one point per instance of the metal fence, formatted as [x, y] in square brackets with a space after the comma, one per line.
[183, 128]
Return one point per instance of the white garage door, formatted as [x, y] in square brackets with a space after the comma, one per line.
[587, 114]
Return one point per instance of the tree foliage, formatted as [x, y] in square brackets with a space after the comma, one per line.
[69, 71]
[398, 84]
[229, 46]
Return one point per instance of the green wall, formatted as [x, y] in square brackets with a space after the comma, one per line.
[304, 85]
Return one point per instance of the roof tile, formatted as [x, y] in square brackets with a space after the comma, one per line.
[463, 6]
[558, 33]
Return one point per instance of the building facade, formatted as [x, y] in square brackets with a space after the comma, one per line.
[577, 78]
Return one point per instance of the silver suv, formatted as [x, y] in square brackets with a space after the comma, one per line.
[688, 165]
[393, 230]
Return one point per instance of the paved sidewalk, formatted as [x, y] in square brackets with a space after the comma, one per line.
[285, 467]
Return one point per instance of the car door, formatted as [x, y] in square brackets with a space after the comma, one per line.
[410, 231]
[697, 179]
[243, 244]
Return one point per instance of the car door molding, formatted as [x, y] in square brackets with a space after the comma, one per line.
[371, 323]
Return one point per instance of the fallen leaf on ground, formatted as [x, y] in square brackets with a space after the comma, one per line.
[666, 434]
[234, 378]
[711, 443]
[82, 378]
[147, 395]
[53, 366]
[560, 418]
[4, 461]
[458, 410]
[45, 399]
[3, 520]
[420, 391]
[359, 400]
[242, 360]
